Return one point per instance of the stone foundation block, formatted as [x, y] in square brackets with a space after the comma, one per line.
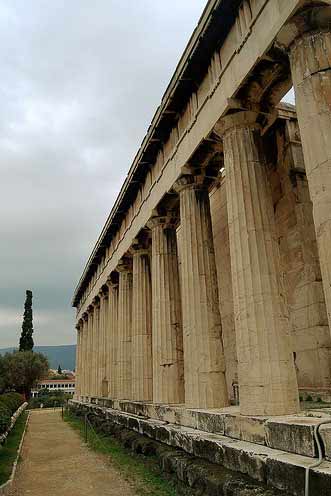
[295, 435]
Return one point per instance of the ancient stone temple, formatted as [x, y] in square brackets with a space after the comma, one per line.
[206, 302]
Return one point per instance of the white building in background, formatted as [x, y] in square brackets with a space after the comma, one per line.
[64, 385]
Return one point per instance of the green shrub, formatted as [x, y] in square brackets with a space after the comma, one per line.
[309, 397]
[4, 420]
[9, 403]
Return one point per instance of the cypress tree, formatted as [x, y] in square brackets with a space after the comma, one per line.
[26, 340]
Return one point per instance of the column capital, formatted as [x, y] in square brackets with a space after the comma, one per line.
[243, 119]
[96, 302]
[124, 265]
[140, 247]
[138, 251]
[85, 316]
[103, 293]
[90, 309]
[309, 19]
[168, 221]
[112, 284]
[191, 181]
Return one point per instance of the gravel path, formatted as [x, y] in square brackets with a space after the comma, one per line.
[56, 462]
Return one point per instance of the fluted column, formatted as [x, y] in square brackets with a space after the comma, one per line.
[89, 367]
[142, 374]
[167, 330]
[267, 379]
[102, 380]
[310, 57]
[85, 355]
[77, 367]
[98, 380]
[204, 366]
[80, 361]
[95, 331]
[125, 331]
[113, 340]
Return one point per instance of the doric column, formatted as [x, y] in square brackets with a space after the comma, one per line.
[89, 367]
[142, 374]
[205, 385]
[125, 330]
[267, 380]
[95, 347]
[113, 340]
[103, 380]
[77, 368]
[167, 330]
[310, 57]
[85, 355]
[79, 358]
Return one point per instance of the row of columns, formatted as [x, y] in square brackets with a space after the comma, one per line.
[163, 328]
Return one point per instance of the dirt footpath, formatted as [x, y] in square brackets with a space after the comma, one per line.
[55, 462]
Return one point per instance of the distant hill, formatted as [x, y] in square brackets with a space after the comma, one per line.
[64, 355]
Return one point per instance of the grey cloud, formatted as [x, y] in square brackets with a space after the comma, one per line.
[80, 82]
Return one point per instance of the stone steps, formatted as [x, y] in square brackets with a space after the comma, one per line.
[293, 434]
[274, 467]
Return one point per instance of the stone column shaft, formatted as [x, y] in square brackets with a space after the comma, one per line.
[125, 333]
[104, 347]
[103, 386]
[113, 342]
[84, 356]
[267, 380]
[96, 322]
[77, 368]
[80, 361]
[168, 365]
[204, 367]
[89, 368]
[142, 375]
[310, 57]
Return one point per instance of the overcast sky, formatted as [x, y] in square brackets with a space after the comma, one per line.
[80, 82]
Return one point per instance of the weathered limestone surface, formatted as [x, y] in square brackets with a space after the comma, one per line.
[142, 370]
[78, 361]
[103, 379]
[310, 57]
[168, 367]
[113, 342]
[84, 369]
[96, 350]
[204, 365]
[89, 370]
[125, 331]
[219, 216]
[266, 371]
[310, 333]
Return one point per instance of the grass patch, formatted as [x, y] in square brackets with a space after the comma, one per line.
[8, 451]
[143, 472]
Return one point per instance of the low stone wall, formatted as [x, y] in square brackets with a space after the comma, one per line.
[291, 433]
[274, 468]
[195, 476]
[5, 488]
